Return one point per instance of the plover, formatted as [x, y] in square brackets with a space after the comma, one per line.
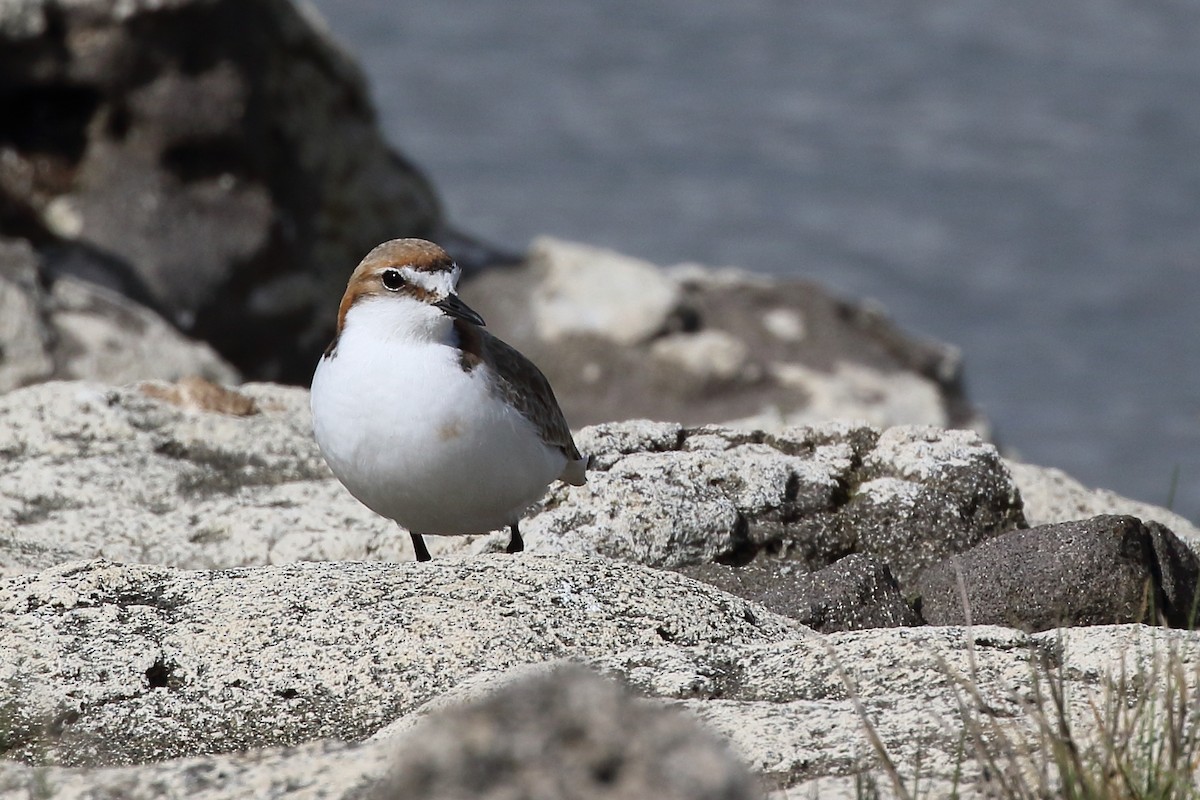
[424, 416]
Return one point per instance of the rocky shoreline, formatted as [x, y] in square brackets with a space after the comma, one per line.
[190, 593]
[812, 575]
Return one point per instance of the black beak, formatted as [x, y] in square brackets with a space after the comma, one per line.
[454, 307]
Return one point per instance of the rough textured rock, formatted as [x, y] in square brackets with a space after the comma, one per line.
[126, 664]
[75, 329]
[566, 733]
[326, 769]
[1104, 570]
[24, 335]
[620, 338]
[560, 730]
[789, 707]
[854, 593]
[88, 471]
[217, 160]
[666, 495]
[131, 474]
[791, 704]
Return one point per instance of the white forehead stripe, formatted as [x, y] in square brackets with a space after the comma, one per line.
[440, 283]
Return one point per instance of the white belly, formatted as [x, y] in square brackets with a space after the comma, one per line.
[420, 441]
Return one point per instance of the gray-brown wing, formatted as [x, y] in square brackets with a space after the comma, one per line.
[526, 388]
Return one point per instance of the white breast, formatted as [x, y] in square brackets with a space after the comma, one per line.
[421, 441]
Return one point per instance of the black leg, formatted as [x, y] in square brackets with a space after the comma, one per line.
[516, 544]
[419, 547]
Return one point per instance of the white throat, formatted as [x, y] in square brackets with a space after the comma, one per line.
[396, 319]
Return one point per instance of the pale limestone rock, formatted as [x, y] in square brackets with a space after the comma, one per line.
[147, 663]
[144, 474]
[711, 355]
[586, 290]
[854, 391]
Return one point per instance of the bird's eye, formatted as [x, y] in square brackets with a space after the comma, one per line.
[392, 280]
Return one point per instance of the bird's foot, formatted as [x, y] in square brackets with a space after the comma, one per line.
[419, 547]
[515, 544]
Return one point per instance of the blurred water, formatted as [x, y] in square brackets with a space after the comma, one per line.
[1018, 177]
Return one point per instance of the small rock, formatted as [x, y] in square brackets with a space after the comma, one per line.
[26, 338]
[586, 290]
[1051, 495]
[566, 733]
[104, 336]
[197, 394]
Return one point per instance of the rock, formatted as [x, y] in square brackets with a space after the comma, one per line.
[101, 335]
[129, 664]
[791, 708]
[622, 339]
[855, 592]
[559, 727]
[566, 733]
[1104, 570]
[793, 705]
[151, 474]
[585, 290]
[218, 161]
[73, 329]
[922, 490]
[666, 495]
[328, 769]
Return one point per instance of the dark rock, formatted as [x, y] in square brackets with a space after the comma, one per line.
[219, 160]
[855, 593]
[1103, 570]
[568, 733]
[1177, 576]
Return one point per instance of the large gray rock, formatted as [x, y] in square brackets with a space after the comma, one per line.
[116, 664]
[667, 495]
[217, 160]
[445, 649]
[143, 474]
[620, 338]
[1103, 570]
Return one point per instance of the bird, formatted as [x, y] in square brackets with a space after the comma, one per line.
[423, 415]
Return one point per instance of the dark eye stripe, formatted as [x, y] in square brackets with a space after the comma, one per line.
[393, 281]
